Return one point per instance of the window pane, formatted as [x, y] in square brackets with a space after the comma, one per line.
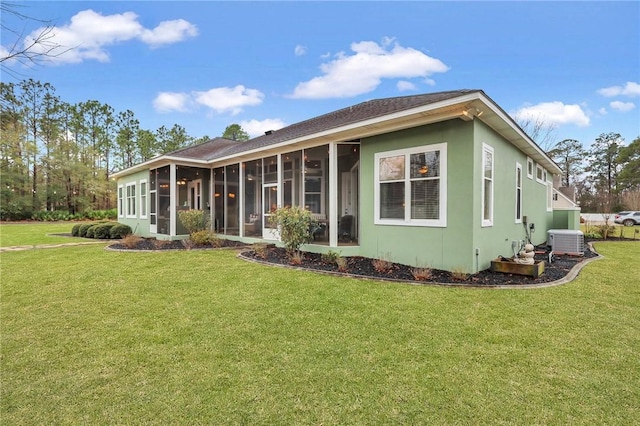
[392, 200]
[392, 168]
[488, 164]
[425, 165]
[487, 199]
[425, 199]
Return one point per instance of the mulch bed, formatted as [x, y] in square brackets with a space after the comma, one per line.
[148, 244]
[364, 267]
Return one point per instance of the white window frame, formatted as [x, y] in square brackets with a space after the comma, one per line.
[130, 197]
[540, 174]
[518, 214]
[120, 200]
[488, 149]
[530, 168]
[441, 222]
[143, 199]
[549, 196]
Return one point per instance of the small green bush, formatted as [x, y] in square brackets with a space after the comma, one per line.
[204, 238]
[91, 231]
[330, 257]
[102, 231]
[296, 226]
[194, 220]
[120, 230]
[82, 232]
[75, 230]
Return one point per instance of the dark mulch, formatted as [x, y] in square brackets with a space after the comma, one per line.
[154, 244]
[364, 267]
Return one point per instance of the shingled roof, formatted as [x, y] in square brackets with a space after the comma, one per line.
[220, 147]
[366, 119]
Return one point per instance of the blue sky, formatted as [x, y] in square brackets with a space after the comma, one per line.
[264, 65]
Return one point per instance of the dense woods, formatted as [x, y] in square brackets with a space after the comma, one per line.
[57, 156]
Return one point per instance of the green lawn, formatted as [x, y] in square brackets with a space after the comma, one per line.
[35, 233]
[96, 337]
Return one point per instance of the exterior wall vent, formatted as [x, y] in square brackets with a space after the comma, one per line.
[566, 241]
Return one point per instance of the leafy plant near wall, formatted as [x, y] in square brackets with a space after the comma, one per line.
[194, 220]
[296, 227]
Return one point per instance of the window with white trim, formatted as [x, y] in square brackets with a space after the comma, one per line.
[540, 174]
[518, 193]
[411, 186]
[143, 199]
[549, 196]
[529, 168]
[120, 201]
[131, 199]
[487, 185]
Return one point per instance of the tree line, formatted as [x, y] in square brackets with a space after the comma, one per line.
[606, 176]
[55, 155]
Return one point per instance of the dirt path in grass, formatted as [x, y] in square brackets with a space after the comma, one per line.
[44, 246]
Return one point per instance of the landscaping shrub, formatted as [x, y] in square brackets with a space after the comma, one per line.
[75, 230]
[102, 231]
[204, 238]
[91, 231]
[330, 257]
[296, 226]
[82, 232]
[130, 241]
[194, 220]
[120, 230]
[605, 230]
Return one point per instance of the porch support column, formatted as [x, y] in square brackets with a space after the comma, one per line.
[240, 197]
[173, 202]
[212, 200]
[333, 195]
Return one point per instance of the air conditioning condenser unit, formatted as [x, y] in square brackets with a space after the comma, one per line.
[566, 241]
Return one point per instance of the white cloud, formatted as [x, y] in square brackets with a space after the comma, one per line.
[556, 113]
[404, 85]
[256, 128]
[602, 111]
[229, 99]
[300, 50]
[89, 34]
[361, 72]
[168, 32]
[630, 89]
[171, 101]
[622, 106]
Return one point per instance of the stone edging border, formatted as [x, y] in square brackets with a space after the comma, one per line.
[571, 275]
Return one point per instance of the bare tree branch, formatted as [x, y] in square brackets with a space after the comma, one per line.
[26, 50]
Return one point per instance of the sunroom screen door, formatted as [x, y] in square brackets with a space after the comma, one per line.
[269, 205]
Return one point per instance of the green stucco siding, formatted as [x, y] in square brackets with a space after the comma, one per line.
[139, 225]
[442, 248]
[464, 244]
[495, 240]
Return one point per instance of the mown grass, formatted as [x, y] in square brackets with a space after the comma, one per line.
[35, 233]
[90, 336]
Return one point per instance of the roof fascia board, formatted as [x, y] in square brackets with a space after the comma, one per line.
[373, 125]
[157, 162]
[554, 168]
